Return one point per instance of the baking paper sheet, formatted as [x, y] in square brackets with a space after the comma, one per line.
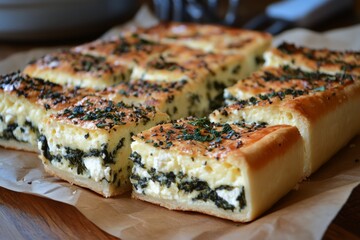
[304, 213]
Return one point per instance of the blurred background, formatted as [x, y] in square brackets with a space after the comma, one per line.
[267, 15]
[30, 23]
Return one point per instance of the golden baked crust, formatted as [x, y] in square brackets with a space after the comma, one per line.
[323, 60]
[75, 69]
[217, 169]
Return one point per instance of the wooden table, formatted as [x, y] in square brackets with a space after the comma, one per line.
[24, 216]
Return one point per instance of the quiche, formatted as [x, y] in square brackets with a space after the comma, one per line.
[210, 72]
[232, 171]
[88, 143]
[25, 102]
[323, 107]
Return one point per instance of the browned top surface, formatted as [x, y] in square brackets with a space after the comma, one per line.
[44, 93]
[309, 94]
[75, 64]
[199, 137]
[122, 49]
[320, 59]
[94, 112]
[271, 79]
[148, 92]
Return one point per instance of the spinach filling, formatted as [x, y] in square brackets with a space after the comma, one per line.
[76, 156]
[8, 132]
[186, 184]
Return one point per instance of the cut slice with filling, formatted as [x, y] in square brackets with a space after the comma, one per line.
[88, 143]
[232, 171]
[25, 102]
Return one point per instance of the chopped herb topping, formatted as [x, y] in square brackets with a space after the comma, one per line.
[297, 74]
[198, 130]
[315, 82]
[106, 114]
[323, 56]
[46, 93]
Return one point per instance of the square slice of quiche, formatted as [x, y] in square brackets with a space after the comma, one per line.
[312, 60]
[25, 102]
[211, 72]
[323, 107]
[75, 69]
[88, 143]
[232, 171]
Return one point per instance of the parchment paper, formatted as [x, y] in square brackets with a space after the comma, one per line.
[304, 213]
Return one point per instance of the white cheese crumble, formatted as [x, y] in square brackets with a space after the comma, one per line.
[230, 196]
[96, 169]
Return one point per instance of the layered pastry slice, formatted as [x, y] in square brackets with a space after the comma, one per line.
[178, 99]
[75, 69]
[322, 60]
[210, 72]
[211, 38]
[323, 107]
[88, 143]
[25, 101]
[123, 50]
[232, 171]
